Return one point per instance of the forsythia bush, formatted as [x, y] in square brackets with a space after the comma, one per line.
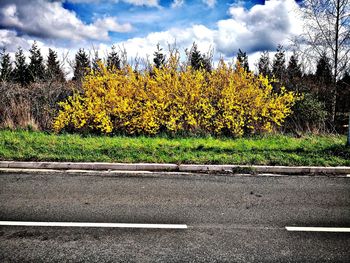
[228, 100]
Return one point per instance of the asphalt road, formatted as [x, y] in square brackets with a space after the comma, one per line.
[229, 219]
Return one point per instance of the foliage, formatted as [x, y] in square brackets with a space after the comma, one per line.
[264, 64]
[227, 100]
[53, 69]
[159, 57]
[82, 64]
[197, 60]
[309, 115]
[113, 60]
[279, 63]
[96, 61]
[20, 72]
[294, 75]
[5, 66]
[242, 58]
[36, 66]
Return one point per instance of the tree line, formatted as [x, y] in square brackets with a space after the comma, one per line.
[315, 110]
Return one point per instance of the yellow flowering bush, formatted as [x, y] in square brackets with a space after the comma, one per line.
[228, 100]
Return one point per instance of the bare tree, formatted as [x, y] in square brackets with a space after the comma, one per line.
[327, 31]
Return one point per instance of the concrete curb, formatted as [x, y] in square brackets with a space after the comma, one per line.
[156, 167]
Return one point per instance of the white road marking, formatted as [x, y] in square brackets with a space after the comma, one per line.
[82, 224]
[318, 229]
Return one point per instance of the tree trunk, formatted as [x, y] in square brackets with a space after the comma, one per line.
[336, 51]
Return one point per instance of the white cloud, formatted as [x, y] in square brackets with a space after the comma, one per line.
[143, 2]
[261, 27]
[11, 41]
[182, 38]
[209, 3]
[177, 3]
[50, 20]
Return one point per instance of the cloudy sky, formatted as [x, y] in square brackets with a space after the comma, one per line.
[138, 25]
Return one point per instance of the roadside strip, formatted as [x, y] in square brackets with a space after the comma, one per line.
[185, 168]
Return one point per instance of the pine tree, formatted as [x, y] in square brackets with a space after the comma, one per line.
[279, 64]
[53, 69]
[82, 65]
[264, 64]
[5, 65]
[113, 60]
[294, 74]
[36, 66]
[324, 81]
[197, 60]
[20, 72]
[96, 62]
[242, 58]
[294, 67]
[159, 57]
[324, 70]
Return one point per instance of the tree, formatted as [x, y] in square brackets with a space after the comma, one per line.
[159, 57]
[96, 62]
[327, 31]
[20, 72]
[82, 64]
[242, 58]
[279, 64]
[113, 60]
[294, 67]
[264, 64]
[197, 60]
[53, 69]
[294, 73]
[323, 79]
[324, 71]
[36, 66]
[5, 65]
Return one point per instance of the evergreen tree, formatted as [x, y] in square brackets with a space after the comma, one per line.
[264, 64]
[53, 69]
[197, 60]
[159, 57]
[20, 72]
[324, 70]
[294, 74]
[113, 60]
[96, 62]
[294, 67]
[242, 58]
[279, 64]
[36, 66]
[5, 65]
[82, 65]
[324, 81]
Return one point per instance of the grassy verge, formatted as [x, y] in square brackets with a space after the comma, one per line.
[267, 150]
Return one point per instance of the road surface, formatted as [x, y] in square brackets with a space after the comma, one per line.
[229, 218]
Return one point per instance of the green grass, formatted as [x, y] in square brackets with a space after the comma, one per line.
[266, 150]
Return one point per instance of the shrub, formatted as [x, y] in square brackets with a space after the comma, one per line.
[227, 100]
[33, 106]
[309, 114]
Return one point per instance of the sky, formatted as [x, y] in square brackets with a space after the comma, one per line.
[139, 25]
